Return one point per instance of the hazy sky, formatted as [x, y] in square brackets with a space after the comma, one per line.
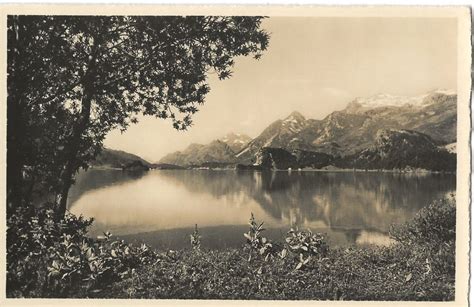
[315, 66]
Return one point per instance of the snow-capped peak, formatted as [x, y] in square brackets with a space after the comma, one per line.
[448, 92]
[387, 100]
[236, 140]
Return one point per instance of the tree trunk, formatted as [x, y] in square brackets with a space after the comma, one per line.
[16, 129]
[14, 155]
[72, 151]
[73, 146]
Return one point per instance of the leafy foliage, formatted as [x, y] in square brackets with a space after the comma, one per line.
[256, 243]
[46, 258]
[195, 239]
[306, 246]
[433, 224]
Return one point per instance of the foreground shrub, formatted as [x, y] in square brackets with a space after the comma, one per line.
[256, 243]
[31, 241]
[195, 238]
[434, 224]
[431, 240]
[306, 246]
[46, 258]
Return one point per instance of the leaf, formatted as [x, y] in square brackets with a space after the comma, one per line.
[284, 252]
[299, 266]
[56, 265]
[307, 260]
[248, 236]
[408, 277]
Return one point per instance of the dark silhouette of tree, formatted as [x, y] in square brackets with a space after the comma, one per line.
[72, 79]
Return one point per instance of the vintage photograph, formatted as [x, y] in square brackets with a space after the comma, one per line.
[235, 156]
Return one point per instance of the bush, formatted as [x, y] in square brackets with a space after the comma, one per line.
[195, 239]
[46, 258]
[31, 241]
[433, 224]
[431, 240]
[306, 245]
[258, 244]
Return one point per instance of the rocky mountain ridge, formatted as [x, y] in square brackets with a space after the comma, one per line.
[350, 130]
[221, 150]
[353, 133]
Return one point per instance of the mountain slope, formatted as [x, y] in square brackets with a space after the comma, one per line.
[280, 134]
[399, 149]
[196, 154]
[117, 159]
[278, 158]
[236, 141]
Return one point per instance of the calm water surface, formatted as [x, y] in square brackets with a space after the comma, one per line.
[160, 207]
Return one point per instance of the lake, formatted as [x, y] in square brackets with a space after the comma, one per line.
[161, 207]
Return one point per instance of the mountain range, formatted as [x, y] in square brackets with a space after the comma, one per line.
[223, 150]
[382, 131]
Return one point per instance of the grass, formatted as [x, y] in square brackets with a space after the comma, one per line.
[419, 266]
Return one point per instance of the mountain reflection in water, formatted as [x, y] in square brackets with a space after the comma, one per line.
[161, 207]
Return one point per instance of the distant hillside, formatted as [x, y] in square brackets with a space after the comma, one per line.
[393, 149]
[400, 149]
[278, 158]
[118, 159]
[275, 158]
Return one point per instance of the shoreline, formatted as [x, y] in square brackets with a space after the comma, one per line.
[322, 170]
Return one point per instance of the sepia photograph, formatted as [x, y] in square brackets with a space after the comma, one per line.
[306, 154]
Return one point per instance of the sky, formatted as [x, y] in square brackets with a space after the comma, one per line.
[315, 66]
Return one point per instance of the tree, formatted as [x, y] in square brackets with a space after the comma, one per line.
[72, 79]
